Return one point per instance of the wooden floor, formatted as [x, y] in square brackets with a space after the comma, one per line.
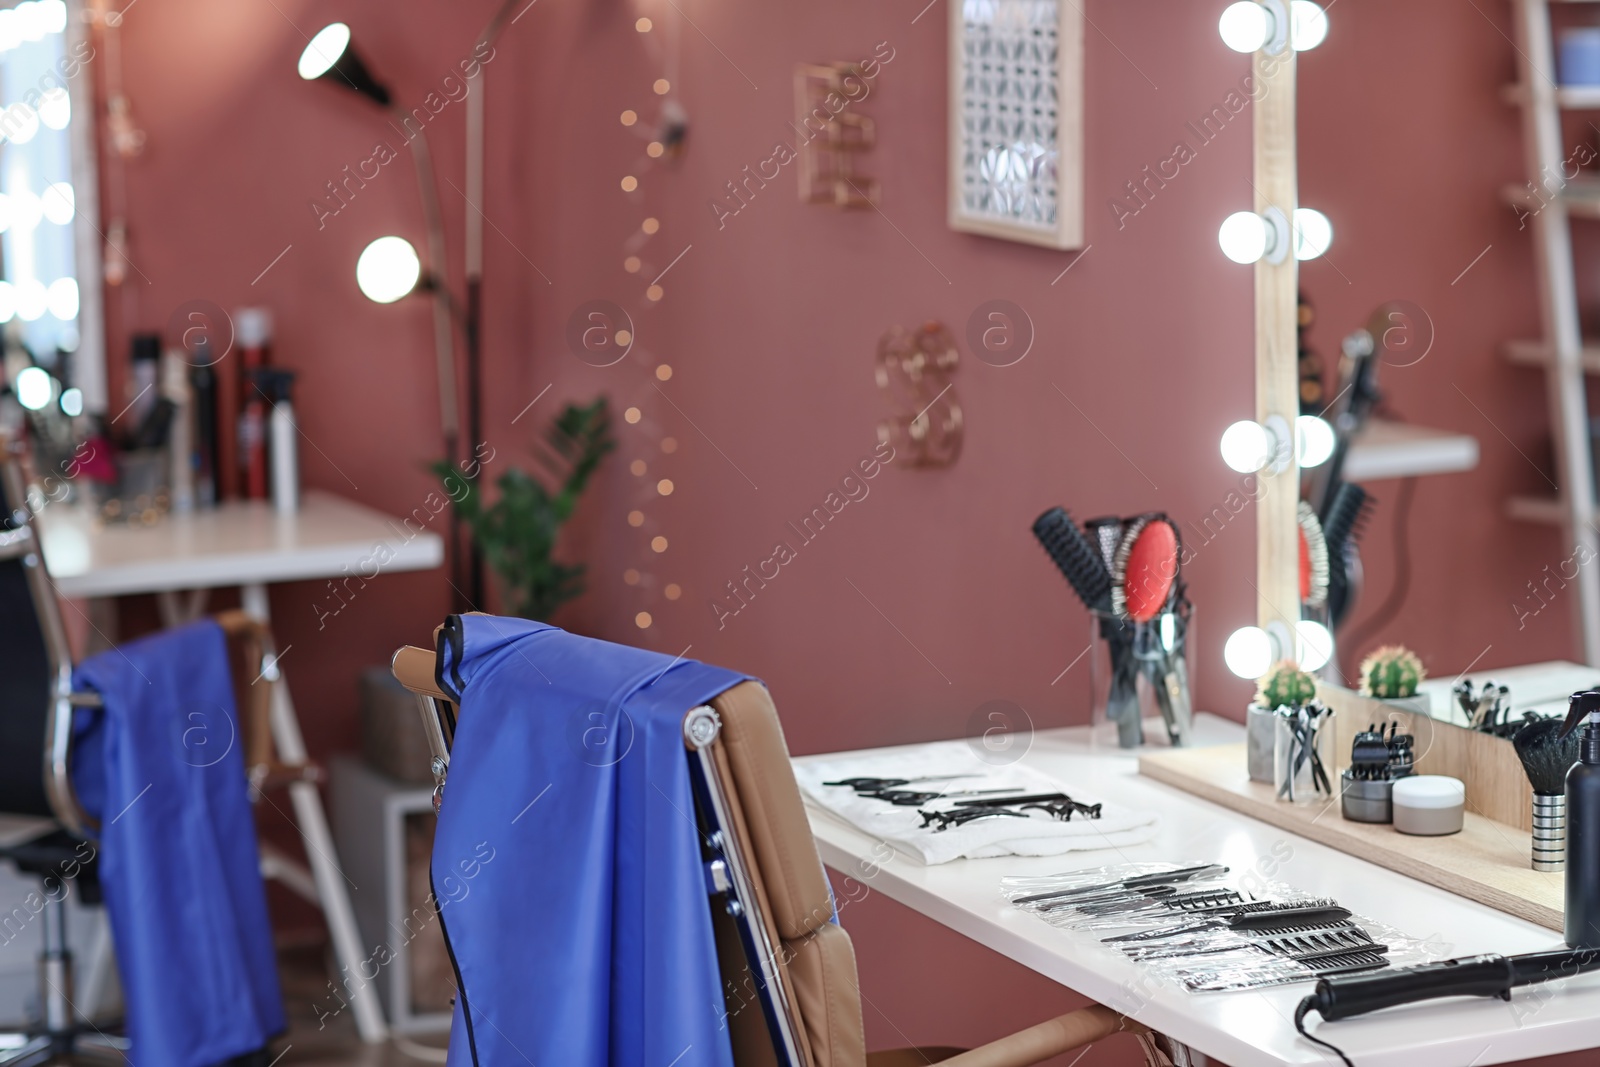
[334, 1040]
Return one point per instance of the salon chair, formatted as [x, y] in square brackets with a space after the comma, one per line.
[771, 907]
[36, 712]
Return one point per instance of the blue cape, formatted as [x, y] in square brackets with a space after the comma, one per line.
[567, 865]
[161, 767]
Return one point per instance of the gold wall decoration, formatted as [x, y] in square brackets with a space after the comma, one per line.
[833, 133]
[915, 370]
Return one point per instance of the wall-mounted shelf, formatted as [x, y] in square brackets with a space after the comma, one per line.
[1399, 450]
[1570, 97]
[1539, 354]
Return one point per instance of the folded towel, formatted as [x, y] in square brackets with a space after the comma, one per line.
[1039, 835]
[160, 766]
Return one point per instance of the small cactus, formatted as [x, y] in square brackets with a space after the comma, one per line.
[1286, 685]
[1391, 673]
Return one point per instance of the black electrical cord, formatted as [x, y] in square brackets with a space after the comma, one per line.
[1308, 1005]
[1401, 587]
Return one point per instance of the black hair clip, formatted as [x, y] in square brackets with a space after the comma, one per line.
[947, 819]
[1064, 809]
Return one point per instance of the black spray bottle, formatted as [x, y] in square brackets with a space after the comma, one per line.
[1583, 824]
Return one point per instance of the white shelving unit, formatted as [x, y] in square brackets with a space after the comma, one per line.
[1561, 352]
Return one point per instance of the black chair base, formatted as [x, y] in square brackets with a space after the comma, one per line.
[83, 1044]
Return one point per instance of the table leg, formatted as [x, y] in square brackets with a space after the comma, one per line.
[313, 822]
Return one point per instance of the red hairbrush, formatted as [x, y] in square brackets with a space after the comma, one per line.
[1313, 558]
[1145, 577]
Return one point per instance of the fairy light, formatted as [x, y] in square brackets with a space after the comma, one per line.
[658, 544]
[632, 415]
[664, 487]
[629, 117]
[637, 467]
[664, 373]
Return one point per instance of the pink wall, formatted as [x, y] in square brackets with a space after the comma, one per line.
[929, 597]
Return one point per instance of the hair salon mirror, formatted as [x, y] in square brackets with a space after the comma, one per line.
[1442, 339]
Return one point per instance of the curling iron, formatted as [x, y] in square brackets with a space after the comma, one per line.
[1489, 975]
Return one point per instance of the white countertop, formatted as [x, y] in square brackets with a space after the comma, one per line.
[1246, 1029]
[236, 543]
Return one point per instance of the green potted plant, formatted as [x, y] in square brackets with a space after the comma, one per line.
[517, 533]
[1285, 685]
[1391, 673]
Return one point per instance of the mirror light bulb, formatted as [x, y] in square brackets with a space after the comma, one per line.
[1313, 233]
[72, 403]
[55, 108]
[324, 50]
[62, 299]
[1246, 446]
[388, 269]
[1245, 26]
[1314, 440]
[32, 300]
[1243, 237]
[1313, 644]
[1308, 25]
[1248, 652]
[58, 203]
[33, 388]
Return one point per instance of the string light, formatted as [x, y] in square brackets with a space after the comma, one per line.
[662, 87]
[664, 373]
[631, 264]
[650, 225]
[632, 415]
[664, 487]
[655, 293]
[644, 25]
[629, 118]
[635, 518]
[630, 183]
[637, 467]
[672, 591]
[658, 544]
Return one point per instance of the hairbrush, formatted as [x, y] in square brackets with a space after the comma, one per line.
[1147, 591]
[1078, 560]
[1313, 558]
[1106, 533]
[1087, 568]
[1546, 757]
[1342, 521]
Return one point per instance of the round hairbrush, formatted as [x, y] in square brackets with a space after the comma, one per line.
[1146, 568]
[1313, 558]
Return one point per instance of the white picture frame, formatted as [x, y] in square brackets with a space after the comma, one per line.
[1016, 120]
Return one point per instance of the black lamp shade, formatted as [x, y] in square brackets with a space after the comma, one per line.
[350, 72]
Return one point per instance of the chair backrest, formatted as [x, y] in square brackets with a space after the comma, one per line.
[789, 973]
[815, 963]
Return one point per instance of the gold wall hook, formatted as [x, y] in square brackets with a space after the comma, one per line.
[915, 369]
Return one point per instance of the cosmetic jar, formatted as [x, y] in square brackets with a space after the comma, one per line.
[1361, 800]
[1429, 805]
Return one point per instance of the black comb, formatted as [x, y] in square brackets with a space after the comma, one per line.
[1078, 560]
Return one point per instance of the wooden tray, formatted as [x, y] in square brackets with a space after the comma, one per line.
[1487, 861]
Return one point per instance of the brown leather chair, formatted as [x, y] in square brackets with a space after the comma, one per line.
[789, 972]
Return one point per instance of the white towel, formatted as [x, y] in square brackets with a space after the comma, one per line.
[1039, 835]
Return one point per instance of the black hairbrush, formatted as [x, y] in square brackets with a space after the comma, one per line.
[1342, 521]
[1076, 557]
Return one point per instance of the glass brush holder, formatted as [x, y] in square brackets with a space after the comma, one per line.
[1302, 742]
[1140, 670]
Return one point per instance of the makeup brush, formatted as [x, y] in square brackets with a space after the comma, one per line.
[1546, 758]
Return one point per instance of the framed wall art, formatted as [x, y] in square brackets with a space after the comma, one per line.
[1016, 120]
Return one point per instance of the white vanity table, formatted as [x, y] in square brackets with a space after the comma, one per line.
[1246, 1029]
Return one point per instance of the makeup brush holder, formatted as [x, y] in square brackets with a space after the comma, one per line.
[1139, 672]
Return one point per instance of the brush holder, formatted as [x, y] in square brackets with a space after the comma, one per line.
[1549, 832]
[1302, 741]
[1131, 666]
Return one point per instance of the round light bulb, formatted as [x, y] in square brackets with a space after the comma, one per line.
[62, 299]
[1313, 233]
[53, 16]
[32, 300]
[55, 108]
[1246, 446]
[1308, 25]
[1245, 26]
[10, 29]
[33, 388]
[26, 210]
[1314, 440]
[31, 21]
[1243, 237]
[1248, 652]
[324, 50]
[20, 123]
[72, 403]
[1313, 644]
[388, 269]
[58, 203]
[8, 301]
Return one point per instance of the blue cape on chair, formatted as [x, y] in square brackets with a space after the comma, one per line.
[161, 767]
[567, 865]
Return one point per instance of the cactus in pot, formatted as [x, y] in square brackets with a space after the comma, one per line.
[1391, 672]
[1286, 685]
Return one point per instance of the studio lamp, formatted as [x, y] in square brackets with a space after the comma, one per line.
[331, 55]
